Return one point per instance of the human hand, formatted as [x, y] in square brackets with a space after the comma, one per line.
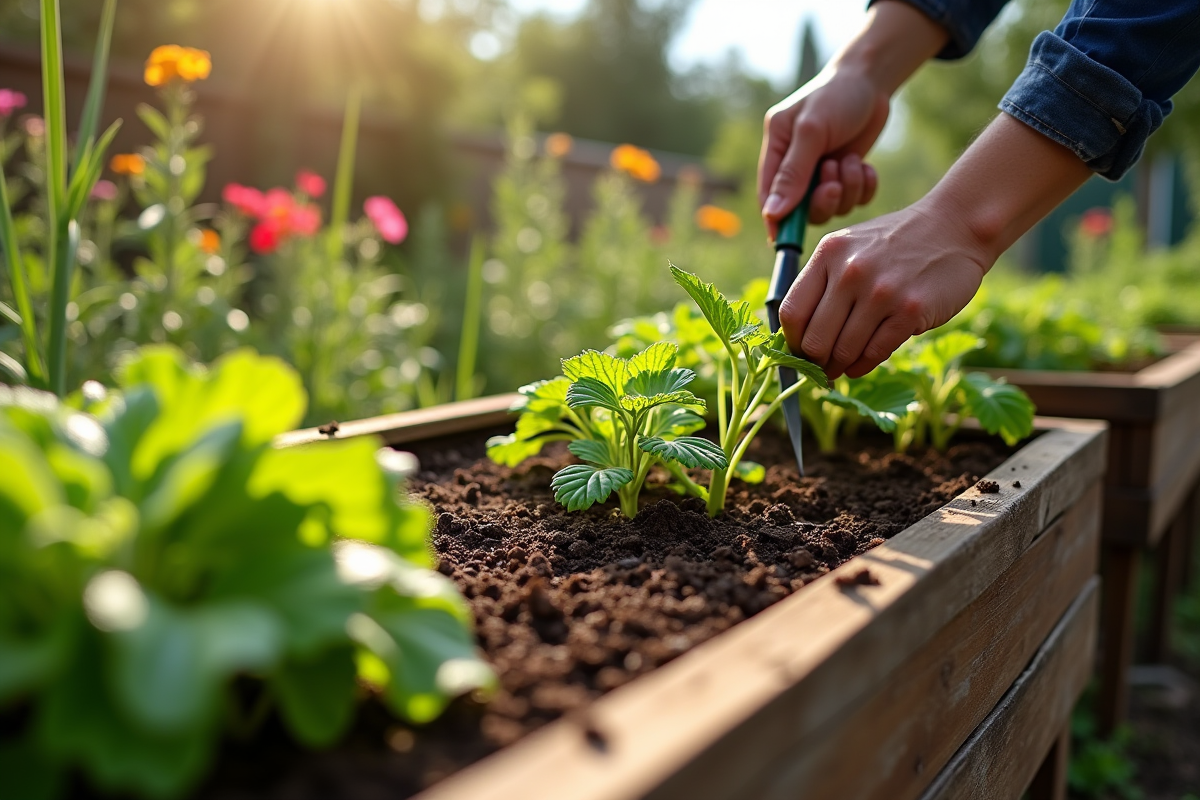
[836, 116]
[871, 286]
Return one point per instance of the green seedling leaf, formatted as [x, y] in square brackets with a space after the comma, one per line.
[750, 472]
[579, 486]
[946, 350]
[510, 450]
[588, 391]
[691, 451]
[775, 350]
[658, 357]
[316, 696]
[732, 323]
[591, 451]
[673, 422]
[607, 370]
[1000, 407]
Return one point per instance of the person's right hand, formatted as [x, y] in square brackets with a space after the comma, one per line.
[833, 119]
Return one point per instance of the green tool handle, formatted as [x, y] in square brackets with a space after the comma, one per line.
[792, 227]
[789, 244]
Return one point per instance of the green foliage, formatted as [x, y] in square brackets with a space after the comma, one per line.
[947, 396]
[155, 546]
[1100, 768]
[747, 358]
[622, 416]
[882, 397]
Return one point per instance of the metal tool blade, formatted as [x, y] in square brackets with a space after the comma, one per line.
[787, 268]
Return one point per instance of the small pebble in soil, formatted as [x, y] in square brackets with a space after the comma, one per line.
[1016, 484]
[329, 428]
[988, 487]
[862, 577]
[974, 503]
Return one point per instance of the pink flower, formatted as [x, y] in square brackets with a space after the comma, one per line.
[246, 200]
[387, 218]
[265, 237]
[104, 190]
[10, 101]
[1096, 222]
[310, 183]
[304, 220]
[35, 127]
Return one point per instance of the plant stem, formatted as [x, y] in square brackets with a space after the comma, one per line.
[56, 186]
[20, 288]
[97, 84]
[344, 181]
[722, 421]
[468, 342]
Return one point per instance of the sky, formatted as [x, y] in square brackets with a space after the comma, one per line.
[766, 32]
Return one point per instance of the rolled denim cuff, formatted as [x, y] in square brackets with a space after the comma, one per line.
[964, 21]
[1083, 105]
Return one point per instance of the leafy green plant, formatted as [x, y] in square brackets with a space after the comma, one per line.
[155, 546]
[67, 188]
[747, 373]
[947, 395]
[881, 396]
[621, 417]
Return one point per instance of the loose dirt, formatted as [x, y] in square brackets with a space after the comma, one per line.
[570, 606]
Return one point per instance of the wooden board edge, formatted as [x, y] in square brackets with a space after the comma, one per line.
[416, 425]
[1002, 756]
[631, 740]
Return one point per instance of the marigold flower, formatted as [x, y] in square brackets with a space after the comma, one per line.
[310, 183]
[1096, 222]
[171, 61]
[10, 101]
[718, 220]
[128, 164]
[559, 144]
[635, 162]
[387, 218]
[245, 199]
[210, 241]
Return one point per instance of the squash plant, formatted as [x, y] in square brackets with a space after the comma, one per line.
[621, 416]
[947, 395]
[880, 396]
[154, 547]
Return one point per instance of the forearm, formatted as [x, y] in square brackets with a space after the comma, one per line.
[894, 42]
[1009, 178]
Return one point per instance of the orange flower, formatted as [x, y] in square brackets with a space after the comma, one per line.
[210, 241]
[635, 162]
[559, 144]
[718, 220]
[128, 164]
[171, 61]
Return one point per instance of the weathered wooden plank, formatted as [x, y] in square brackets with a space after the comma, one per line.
[814, 655]
[1178, 379]
[1119, 566]
[417, 425]
[891, 745]
[1003, 754]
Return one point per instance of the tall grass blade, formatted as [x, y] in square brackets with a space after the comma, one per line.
[94, 105]
[468, 343]
[57, 248]
[344, 181]
[20, 288]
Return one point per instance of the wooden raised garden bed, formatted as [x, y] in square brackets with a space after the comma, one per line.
[957, 671]
[1151, 489]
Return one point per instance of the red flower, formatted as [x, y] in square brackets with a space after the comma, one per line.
[265, 237]
[310, 183]
[304, 220]
[387, 218]
[246, 200]
[1096, 222]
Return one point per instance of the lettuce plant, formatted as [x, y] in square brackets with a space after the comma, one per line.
[621, 416]
[947, 395]
[154, 547]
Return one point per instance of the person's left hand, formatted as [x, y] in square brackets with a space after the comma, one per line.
[871, 286]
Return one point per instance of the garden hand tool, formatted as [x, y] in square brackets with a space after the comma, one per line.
[789, 247]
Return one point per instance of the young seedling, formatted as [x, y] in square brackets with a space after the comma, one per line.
[947, 396]
[621, 417]
[880, 396]
[748, 374]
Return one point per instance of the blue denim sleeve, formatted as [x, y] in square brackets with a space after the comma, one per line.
[1102, 82]
[964, 20]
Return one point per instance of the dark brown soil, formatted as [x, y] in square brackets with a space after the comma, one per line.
[570, 606]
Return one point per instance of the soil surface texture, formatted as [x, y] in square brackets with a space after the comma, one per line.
[570, 606]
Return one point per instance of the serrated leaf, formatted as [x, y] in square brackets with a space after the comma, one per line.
[691, 451]
[637, 403]
[545, 396]
[579, 486]
[750, 471]
[657, 357]
[591, 451]
[885, 421]
[648, 384]
[609, 370]
[720, 313]
[592, 392]
[750, 332]
[1000, 407]
[510, 450]
[675, 422]
[778, 357]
